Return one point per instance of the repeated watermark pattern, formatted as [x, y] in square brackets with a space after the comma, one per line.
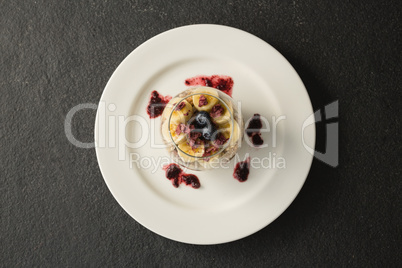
[114, 135]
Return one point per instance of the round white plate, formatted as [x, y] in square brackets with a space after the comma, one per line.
[129, 144]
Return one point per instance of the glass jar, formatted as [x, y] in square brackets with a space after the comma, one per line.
[202, 128]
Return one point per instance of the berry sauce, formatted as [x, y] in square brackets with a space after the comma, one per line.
[157, 104]
[176, 175]
[254, 125]
[190, 179]
[253, 130]
[221, 82]
[242, 170]
[257, 140]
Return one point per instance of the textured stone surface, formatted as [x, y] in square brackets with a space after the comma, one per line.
[55, 207]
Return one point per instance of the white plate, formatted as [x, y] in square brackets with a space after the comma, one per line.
[223, 209]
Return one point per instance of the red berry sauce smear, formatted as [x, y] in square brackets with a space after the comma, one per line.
[242, 170]
[253, 130]
[157, 104]
[176, 175]
[221, 82]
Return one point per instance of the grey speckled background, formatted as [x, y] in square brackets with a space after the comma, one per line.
[55, 207]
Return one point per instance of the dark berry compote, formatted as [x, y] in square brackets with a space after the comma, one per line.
[242, 170]
[221, 82]
[176, 175]
[253, 130]
[157, 104]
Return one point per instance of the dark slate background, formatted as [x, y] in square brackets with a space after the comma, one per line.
[55, 207]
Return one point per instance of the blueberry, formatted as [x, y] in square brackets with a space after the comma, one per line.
[203, 125]
[202, 119]
[208, 132]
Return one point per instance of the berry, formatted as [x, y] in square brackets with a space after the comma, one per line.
[242, 170]
[202, 119]
[217, 111]
[220, 140]
[157, 104]
[208, 133]
[180, 106]
[256, 139]
[203, 101]
[190, 179]
[173, 171]
[254, 125]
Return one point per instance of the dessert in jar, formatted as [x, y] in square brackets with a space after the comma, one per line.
[202, 128]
